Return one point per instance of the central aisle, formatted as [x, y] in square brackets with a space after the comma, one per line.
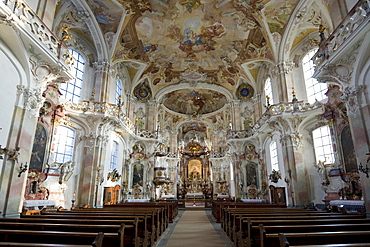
[194, 228]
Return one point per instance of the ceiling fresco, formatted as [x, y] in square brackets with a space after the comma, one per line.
[212, 37]
[277, 14]
[204, 34]
[168, 42]
[107, 14]
[194, 102]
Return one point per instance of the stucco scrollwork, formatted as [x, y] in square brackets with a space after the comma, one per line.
[32, 99]
[350, 96]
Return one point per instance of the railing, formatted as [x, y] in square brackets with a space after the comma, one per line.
[275, 110]
[101, 108]
[356, 18]
[19, 13]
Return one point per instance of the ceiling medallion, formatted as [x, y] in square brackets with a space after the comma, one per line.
[245, 92]
[142, 93]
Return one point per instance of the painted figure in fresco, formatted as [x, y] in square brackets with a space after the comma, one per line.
[190, 4]
[100, 11]
[38, 149]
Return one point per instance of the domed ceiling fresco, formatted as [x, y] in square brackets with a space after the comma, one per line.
[207, 34]
[171, 41]
[194, 102]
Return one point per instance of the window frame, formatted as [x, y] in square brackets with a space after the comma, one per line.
[267, 89]
[69, 89]
[315, 90]
[274, 156]
[119, 90]
[324, 145]
[58, 145]
[114, 156]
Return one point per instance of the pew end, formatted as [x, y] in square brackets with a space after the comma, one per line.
[98, 242]
[283, 240]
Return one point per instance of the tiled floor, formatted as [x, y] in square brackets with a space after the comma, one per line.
[196, 228]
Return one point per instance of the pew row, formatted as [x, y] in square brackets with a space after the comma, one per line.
[320, 238]
[50, 238]
[245, 234]
[269, 234]
[116, 233]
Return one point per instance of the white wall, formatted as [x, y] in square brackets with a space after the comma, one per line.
[10, 78]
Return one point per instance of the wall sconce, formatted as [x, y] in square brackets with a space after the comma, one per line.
[22, 169]
[366, 169]
[3, 151]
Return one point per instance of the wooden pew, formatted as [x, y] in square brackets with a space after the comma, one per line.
[335, 245]
[269, 234]
[245, 232]
[232, 216]
[171, 207]
[320, 238]
[50, 238]
[160, 213]
[152, 216]
[218, 205]
[120, 234]
[152, 223]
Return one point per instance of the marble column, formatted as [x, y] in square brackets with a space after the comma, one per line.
[359, 119]
[130, 109]
[102, 85]
[293, 165]
[283, 78]
[91, 168]
[12, 182]
[236, 110]
[151, 113]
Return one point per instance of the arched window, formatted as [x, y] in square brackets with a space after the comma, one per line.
[118, 96]
[268, 91]
[72, 90]
[323, 145]
[315, 90]
[63, 144]
[114, 156]
[274, 156]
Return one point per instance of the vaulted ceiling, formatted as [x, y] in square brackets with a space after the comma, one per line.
[162, 43]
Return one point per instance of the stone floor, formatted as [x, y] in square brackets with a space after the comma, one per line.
[194, 227]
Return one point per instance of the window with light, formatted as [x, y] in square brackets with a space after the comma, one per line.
[274, 156]
[63, 144]
[315, 90]
[323, 145]
[268, 91]
[114, 156]
[72, 90]
[118, 96]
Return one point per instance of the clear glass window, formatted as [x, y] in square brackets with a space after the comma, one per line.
[315, 90]
[268, 91]
[323, 145]
[274, 156]
[114, 156]
[72, 90]
[63, 145]
[118, 96]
